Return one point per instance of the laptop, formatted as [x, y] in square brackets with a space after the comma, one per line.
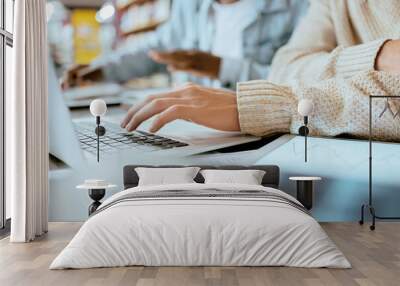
[79, 97]
[74, 140]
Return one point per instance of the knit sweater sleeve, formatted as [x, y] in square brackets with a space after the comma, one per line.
[340, 106]
[314, 51]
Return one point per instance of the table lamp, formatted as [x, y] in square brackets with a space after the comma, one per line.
[305, 108]
[98, 108]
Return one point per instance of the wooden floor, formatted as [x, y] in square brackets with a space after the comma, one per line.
[375, 257]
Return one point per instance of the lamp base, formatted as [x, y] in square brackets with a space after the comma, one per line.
[303, 131]
[305, 193]
[96, 195]
[100, 130]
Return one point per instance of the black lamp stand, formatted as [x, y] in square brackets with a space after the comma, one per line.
[304, 131]
[100, 131]
[98, 137]
[96, 195]
[305, 192]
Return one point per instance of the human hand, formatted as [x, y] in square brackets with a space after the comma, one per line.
[79, 75]
[214, 108]
[195, 62]
[388, 58]
[71, 76]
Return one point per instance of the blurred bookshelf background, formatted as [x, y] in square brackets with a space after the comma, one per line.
[80, 31]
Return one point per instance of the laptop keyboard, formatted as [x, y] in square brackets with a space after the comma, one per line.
[117, 138]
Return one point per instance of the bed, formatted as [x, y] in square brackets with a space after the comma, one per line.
[198, 224]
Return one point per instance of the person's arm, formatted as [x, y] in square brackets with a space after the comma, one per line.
[129, 64]
[203, 64]
[195, 62]
[340, 106]
[118, 66]
[313, 54]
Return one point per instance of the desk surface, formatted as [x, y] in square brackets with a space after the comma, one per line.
[228, 155]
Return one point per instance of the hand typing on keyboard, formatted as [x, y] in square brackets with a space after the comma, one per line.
[213, 108]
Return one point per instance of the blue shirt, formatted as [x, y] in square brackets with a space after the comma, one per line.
[191, 27]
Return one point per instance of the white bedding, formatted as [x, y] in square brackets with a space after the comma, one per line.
[200, 231]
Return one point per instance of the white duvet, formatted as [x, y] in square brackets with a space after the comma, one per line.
[200, 231]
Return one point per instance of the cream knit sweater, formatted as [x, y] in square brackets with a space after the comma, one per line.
[330, 59]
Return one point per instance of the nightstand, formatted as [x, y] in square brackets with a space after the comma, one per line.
[305, 187]
[96, 190]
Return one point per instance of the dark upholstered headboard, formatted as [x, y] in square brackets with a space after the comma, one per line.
[271, 177]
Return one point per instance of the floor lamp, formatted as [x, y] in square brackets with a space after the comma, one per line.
[370, 206]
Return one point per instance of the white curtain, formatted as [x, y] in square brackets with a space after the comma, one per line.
[26, 119]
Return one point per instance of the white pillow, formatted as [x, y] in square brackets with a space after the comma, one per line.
[247, 177]
[166, 176]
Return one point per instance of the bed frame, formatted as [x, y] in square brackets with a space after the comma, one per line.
[271, 177]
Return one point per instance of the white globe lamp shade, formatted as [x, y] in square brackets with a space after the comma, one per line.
[98, 107]
[305, 107]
